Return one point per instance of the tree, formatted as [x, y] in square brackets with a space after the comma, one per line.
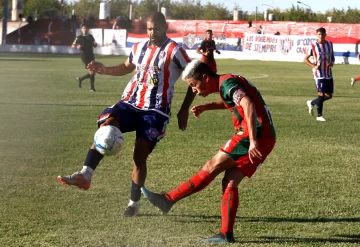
[215, 12]
[44, 8]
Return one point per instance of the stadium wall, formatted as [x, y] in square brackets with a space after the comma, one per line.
[248, 46]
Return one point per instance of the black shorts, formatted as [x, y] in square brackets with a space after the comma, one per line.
[87, 59]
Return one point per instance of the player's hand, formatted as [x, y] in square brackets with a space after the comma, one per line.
[78, 46]
[206, 53]
[197, 110]
[183, 116]
[254, 152]
[218, 52]
[96, 67]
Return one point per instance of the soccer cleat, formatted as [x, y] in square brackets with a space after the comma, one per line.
[77, 179]
[79, 81]
[131, 210]
[220, 238]
[321, 119]
[93, 90]
[352, 81]
[158, 200]
[311, 107]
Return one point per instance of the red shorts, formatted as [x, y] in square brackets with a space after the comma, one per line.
[212, 65]
[237, 149]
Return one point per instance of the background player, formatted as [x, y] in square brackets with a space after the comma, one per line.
[86, 42]
[241, 156]
[206, 49]
[353, 80]
[145, 104]
[323, 60]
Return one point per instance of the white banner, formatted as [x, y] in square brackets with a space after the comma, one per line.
[289, 45]
[97, 33]
[115, 38]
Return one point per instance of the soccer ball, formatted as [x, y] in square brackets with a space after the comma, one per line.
[108, 140]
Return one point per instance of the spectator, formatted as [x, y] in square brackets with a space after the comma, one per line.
[73, 23]
[260, 30]
[30, 21]
[64, 19]
[277, 33]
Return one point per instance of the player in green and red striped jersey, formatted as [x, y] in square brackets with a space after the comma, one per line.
[240, 157]
[206, 49]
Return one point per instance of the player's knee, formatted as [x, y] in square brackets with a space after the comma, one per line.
[327, 96]
[111, 121]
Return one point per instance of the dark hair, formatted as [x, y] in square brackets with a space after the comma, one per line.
[321, 30]
[157, 17]
[209, 31]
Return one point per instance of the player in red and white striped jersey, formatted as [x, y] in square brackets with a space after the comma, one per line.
[323, 61]
[145, 106]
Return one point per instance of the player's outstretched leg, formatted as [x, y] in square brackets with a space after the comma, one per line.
[158, 200]
[311, 107]
[77, 179]
[220, 238]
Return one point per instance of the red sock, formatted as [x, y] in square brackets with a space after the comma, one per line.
[229, 206]
[357, 78]
[198, 182]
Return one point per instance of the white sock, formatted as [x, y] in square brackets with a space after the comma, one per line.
[132, 203]
[87, 172]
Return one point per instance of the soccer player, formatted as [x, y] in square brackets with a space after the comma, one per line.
[240, 157]
[323, 60]
[353, 80]
[206, 49]
[86, 42]
[145, 105]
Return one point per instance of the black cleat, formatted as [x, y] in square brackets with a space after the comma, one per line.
[220, 238]
[79, 81]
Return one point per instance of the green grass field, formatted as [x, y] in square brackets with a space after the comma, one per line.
[305, 194]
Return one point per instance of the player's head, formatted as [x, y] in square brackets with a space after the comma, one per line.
[209, 34]
[321, 34]
[156, 27]
[84, 29]
[197, 75]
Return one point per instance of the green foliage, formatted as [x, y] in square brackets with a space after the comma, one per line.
[45, 8]
[119, 8]
[215, 12]
[87, 8]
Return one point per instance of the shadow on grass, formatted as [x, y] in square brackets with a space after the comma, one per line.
[284, 240]
[260, 219]
[21, 60]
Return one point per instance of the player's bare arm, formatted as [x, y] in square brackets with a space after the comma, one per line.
[307, 61]
[215, 105]
[183, 113]
[119, 70]
[250, 117]
[201, 52]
